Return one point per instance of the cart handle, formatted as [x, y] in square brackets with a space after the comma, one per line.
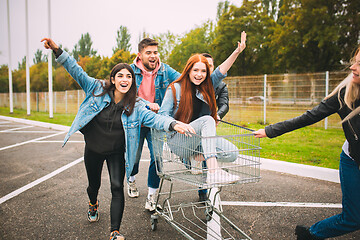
[237, 125]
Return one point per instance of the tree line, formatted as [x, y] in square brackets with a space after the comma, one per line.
[284, 36]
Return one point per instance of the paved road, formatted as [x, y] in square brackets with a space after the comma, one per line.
[43, 194]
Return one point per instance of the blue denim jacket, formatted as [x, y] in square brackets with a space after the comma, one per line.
[167, 107]
[91, 106]
[164, 77]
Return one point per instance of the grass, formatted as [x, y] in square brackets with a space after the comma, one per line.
[310, 145]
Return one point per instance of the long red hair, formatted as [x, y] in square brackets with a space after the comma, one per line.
[185, 111]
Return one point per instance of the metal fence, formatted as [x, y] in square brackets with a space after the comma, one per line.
[253, 99]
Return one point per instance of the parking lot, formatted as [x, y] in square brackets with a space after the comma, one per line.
[43, 194]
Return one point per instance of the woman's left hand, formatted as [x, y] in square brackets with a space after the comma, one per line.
[184, 128]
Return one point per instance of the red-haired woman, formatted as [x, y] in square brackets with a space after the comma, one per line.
[191, 99]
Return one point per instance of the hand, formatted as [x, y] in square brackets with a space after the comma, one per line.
[50, 44]
[154, 107]
[184, 128]
[218, 119]
[242, 44]
[260, 133]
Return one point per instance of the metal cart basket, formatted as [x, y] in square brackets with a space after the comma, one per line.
[232, 157]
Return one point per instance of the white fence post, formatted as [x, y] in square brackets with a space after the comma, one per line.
[326, 93]
[265, 76]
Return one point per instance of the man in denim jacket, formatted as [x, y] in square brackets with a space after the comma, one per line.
[152, 79]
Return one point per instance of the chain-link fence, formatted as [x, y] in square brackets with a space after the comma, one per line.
[253, 99]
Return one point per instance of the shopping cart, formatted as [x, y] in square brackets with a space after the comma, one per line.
[177, 158]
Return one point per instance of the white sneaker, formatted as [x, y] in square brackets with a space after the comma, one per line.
[132, 190]
[196, 166]
[221, 176]
[151, 202]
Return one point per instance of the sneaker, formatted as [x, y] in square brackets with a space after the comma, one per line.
[196, 166]
[151, 202]
[93, 214]
[133, 192]
[221, 176]
[303, 233]
[115, 235]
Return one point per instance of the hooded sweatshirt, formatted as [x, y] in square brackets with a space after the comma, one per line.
[147, 87]
[104, 134]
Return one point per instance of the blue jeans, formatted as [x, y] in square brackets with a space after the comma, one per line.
[153, 178]
[349, 220]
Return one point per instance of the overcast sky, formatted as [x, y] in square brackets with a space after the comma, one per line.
[101, 18]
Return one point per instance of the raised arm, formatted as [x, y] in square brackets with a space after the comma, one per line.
[72, 67]
[226, 65]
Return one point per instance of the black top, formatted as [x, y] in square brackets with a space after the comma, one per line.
[104, 134]
[197, 104]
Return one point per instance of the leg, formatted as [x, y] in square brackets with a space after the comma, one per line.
[116, 168]
[153, 178]
[93, 164]
[143, 132]
[349, 220]
[226, 151]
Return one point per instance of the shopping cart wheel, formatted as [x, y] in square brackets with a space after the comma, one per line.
[154, 221]
[208, 214]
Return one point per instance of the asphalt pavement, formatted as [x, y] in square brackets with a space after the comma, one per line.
[43, 192]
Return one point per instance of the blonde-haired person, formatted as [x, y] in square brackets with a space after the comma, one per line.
[345, 101]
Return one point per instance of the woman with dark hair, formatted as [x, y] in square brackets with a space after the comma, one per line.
[345, 101]
[191, 99]
[110, 118]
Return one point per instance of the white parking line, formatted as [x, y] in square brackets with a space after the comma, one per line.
[34, 131]
[38, 181]
[14, 129]
[30, 141]
[282, 204]
[59, 141]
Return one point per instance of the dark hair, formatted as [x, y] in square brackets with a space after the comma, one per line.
[147, 42]
[130, 97]
[207, 55]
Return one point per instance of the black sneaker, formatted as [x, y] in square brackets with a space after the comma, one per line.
[93, 214]
[303, 233]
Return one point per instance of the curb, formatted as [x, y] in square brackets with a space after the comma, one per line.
[326, 174]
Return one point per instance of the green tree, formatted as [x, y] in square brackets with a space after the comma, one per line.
[39, 57]
[167, 41]
[4, 78]
[222, 8]
[198, 40]
[122, 39]
[83, 47]
[39, 77]
[256, 58]
[22, 63]
[307, 37]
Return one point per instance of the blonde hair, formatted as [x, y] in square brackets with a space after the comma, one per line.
[352, 92]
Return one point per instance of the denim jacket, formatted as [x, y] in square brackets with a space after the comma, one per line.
[92, 105]
[164, 77]
[167, 107]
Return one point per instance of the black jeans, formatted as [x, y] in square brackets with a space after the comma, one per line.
[116, 167]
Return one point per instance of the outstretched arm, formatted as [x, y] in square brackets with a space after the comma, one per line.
[226, 65]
